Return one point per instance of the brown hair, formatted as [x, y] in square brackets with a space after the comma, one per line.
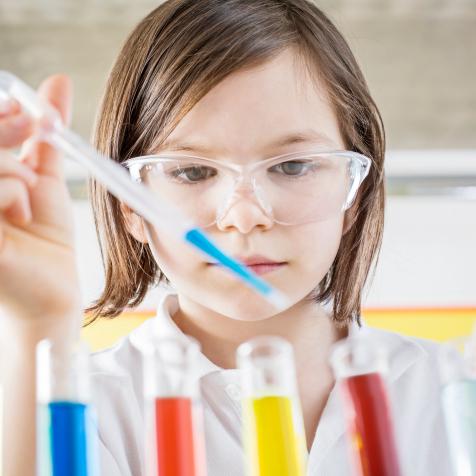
[174, 57]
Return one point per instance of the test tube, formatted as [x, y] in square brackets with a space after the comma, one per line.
[359, 366]
[66, 422]
[175, 444]
[273, 431]
[458, 371]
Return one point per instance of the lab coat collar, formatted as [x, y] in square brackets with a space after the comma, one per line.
[163, 326]
[402, 351]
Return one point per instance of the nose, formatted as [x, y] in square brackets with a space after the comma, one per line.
[243, 213]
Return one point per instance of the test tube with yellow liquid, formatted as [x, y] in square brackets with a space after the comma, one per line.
[273, 431]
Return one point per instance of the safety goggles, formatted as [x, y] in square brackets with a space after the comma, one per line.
[290, 189]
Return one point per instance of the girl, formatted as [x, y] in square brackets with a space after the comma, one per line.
[258, 84]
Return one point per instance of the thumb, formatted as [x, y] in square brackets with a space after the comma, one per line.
[58, 91]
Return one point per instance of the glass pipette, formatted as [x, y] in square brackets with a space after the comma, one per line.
[163, 215]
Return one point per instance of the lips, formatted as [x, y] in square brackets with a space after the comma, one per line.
[257, 260]
[260, 264]
[265, 268]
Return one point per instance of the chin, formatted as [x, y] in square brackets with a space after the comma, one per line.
[248, 313]
[245, 305]
[226, 296]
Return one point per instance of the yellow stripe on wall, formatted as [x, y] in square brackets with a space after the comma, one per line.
[435, 324]
[104, 333]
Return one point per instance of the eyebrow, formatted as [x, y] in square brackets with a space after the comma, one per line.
[293, 138]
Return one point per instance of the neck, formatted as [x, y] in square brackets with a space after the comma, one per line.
[305, 325]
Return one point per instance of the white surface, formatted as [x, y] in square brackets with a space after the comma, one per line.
[438, 163]
[428, 254]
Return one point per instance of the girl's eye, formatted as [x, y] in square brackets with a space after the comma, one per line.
[193, 173]
[293, 168]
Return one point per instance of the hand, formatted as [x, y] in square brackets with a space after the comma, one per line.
[38, 276]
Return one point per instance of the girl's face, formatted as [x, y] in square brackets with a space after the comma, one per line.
[252, 115]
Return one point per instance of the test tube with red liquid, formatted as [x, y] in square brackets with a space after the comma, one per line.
[175, 443]
[359, 366]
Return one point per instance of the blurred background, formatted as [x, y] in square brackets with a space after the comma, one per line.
[419, 57]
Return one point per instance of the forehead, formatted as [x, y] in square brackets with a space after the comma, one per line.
[259, 112]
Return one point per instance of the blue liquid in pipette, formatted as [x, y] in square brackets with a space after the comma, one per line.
[196, 237]
[68, 439]
[459, 405]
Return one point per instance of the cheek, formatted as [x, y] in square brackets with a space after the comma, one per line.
[174, 257]
[317, 245]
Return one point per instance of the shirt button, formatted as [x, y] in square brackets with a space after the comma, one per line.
[233, 391]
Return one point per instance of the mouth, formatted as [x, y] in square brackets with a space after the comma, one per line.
[259, 264]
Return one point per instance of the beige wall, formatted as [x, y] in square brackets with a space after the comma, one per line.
[419, 57]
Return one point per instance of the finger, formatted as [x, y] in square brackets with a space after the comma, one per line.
[14, 201]
[28, 153]
[57, 90]
[8, 107]
[14, 129]
[9, 166]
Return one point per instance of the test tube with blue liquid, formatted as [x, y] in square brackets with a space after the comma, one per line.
[458, 397]
[66, 423]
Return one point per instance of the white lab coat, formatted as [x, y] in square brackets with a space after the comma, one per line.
[412, 380]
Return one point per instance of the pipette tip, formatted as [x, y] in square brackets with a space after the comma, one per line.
[278, 300]
[196, 237]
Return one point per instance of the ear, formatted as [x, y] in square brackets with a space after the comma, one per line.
[134, 224]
